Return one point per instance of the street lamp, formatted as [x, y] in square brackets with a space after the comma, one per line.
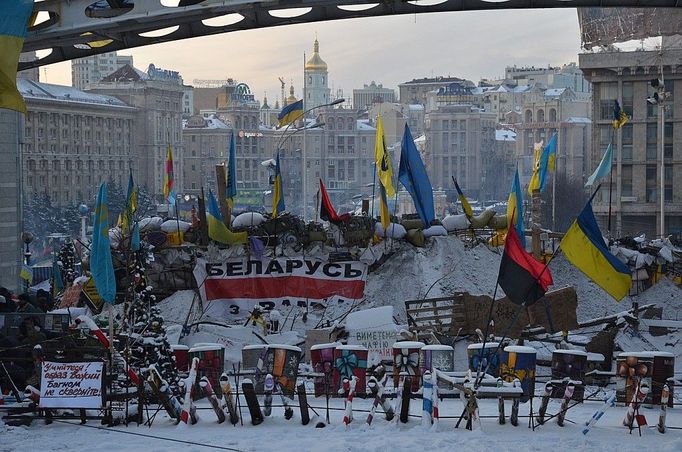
[27, 238]
[304, 128]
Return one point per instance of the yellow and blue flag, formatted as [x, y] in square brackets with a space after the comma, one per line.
[515, 210]
[14, 20]
[278, 191]
[466, 207]
[169, 178]
[413, 176]
[131, 206]
[216, 227]
[584, 247]
[544, 163]
[26, 273]
[383, 160]
[101, 265]
[619, 116]
[231, 189]
[603, 169]
[290, 113]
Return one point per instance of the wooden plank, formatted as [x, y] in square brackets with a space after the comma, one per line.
[417, 310]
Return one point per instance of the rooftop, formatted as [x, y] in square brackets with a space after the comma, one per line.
[45, 91]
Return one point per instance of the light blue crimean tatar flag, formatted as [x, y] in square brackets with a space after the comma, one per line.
[603, 169]
[101, 265]
[412, 174]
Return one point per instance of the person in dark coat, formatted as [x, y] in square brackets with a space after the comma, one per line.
[25, 305]
[9, 305]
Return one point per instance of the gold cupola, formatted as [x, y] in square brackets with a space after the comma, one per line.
[315, 63]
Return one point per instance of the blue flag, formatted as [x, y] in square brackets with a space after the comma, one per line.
[101, 265]
[232, 174]
[515, 210]
[603, 169]
[412, 174]
[278, 191]
[135, 239]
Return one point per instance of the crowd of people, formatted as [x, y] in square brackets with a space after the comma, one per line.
[16, 344]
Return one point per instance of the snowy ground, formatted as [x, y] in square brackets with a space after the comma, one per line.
[278, 434]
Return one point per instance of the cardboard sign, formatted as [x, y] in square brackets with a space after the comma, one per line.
[94, 301]
[71, 385]
[378, 342]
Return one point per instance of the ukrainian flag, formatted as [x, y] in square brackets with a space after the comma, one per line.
[26, 273]
[101, 265]
[585, 248]
[544, 164]
[278, 192]
[463, 199]
[13, 27]
[619, 116]
[217, 230]
[290, 113]
[515, 210]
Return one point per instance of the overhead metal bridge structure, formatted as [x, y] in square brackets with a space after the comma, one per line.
[70, 29]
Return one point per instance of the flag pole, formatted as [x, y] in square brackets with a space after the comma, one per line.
[374, 186]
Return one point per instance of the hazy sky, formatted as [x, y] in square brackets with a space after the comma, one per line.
[389, 50]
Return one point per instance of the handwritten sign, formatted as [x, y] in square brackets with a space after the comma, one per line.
[71, 385]
[378, 342]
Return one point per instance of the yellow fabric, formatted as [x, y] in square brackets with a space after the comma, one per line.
[10, 98]
[220, 233]
[582, 253]
[383, 210]
[534, 183]
[383, 160]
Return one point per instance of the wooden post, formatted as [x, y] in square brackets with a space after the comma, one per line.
[221, 181]
[535, 223]
[203, 224]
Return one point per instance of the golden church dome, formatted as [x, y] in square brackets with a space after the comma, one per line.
[315, 63]
[291, 99]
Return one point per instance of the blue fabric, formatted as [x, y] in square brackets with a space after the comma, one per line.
[588, 225]
[546, 161]
[232, 170]
[101, 265]
[412, 174]
[14, 17]
[516, 191]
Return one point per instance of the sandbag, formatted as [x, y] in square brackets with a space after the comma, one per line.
[435, 231]
[412, 224]
[481, 220]
[151, 224]
[455, 222]
[395, 231]
[498, 222]
[173, 225]
[247, 219]
[416, 237]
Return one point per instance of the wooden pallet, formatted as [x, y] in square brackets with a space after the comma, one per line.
[445, 315]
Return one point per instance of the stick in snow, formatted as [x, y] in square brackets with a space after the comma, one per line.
[543, 404]
[665, 395]
[608, 403]
[348, 413]
[568, 395]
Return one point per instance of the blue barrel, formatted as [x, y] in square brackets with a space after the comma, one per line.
[519, 362]
[485, 358]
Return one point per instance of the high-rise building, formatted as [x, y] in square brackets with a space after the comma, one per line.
[316, 91]
[73, 140]
[371, 94]
[626, 77]
[157, 97]
[10, 198]
[415, 91]
[90, 70]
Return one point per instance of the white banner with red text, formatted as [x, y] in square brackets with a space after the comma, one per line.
[232, 288]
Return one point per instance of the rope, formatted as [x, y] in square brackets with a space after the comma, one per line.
[193, 443]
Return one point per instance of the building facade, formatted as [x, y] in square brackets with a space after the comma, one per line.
[636, 190]
[458, 137]
[415, 91]
[368, 95]
[206, 143]
[92, 69]
[157, 99]
[11, 137]
[74, 140]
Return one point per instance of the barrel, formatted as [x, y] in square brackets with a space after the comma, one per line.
[569, 364]
[519, 362]
[250, 356]
[281, 361]
[488, 357]
[211, 363]
[406, 359]
[664, 369]
[350, 361]
[181, 354]
[322, 359]
[441, 357]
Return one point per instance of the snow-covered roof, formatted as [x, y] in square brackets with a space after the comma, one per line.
[415, 107]
[579, 120]
[45, 91]
[521, 88]
[420, 139]
[363, 124]
[554, 92]
[211, 122]
[505, 135]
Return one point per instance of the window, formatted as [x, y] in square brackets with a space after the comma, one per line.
[628, 96]
[608, 94]
[627, 143]
[651, 135]
[626, 180]
[668, 192]
[651, 183]
[668, 141]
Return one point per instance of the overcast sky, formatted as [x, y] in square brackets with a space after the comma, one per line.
[389, 50]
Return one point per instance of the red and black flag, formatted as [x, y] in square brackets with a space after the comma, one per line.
[523, 279]
[327, 212]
